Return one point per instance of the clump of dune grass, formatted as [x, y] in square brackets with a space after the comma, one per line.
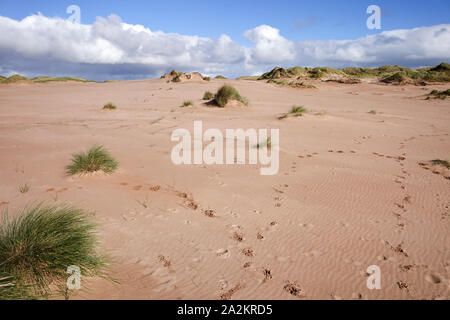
[443, 163]
[207, 78]
[296, 111]
[188, 103]
[220, 77]
[95, 159]
[374, 112]
[39, 244]
[24, 188]
[226, 94]
[208, 95]
[109, 106]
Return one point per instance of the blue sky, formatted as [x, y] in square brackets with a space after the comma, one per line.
[296, 19]
[259, 35]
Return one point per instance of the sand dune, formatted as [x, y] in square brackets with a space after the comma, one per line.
[354, 189]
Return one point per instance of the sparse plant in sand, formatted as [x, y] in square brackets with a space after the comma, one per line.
[207, 78]
[24, 188]
[443, 163]
[220, 77]
[109, 106]
[208, 95]
[39, 244]
[296, 111]
[267, 143]
[95, 159]
[226, 94]
[374, 112]
[188, 103]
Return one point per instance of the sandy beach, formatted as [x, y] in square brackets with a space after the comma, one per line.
[354, 188]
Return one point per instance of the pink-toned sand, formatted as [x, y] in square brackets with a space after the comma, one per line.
[354, 189]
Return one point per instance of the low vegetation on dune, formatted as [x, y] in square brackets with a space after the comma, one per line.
[95, 159]
[436, 94]
[227, 93]
[220, 77]
[187, 103]
[292, 84]
[208, 95]
[296, 111]
[17, 78]
[38, 246]
[387, 74]
[14, 78]
[109, 106]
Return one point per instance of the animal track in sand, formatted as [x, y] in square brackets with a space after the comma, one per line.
[402, 285]
[248, 252]
[209, 213]
[433, 278]
[165, 262]
[228, 295]
[238, 236]
[398, 249]
[293, 288]
[267, 275]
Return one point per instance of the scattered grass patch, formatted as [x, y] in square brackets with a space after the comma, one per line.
[187, 103]
[95, 159]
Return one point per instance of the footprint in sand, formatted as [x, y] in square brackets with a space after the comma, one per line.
[433, 278]
[223, 253]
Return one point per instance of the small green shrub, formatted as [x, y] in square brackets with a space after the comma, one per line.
[188, 103]
[95, 159]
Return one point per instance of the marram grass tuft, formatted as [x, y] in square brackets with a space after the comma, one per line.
[95, 159]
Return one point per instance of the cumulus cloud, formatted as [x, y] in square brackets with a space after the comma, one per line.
[113, 49]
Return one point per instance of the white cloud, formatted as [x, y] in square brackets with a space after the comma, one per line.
[110, 48]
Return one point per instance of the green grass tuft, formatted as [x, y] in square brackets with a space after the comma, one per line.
[24, 188]
[109, 106]
[39, 244]
[188, 103]
[96, 159]
[373, 112]
[220, 77]
[227, 93]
